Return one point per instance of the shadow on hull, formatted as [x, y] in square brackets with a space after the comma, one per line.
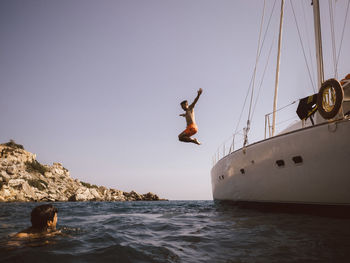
[334, 211]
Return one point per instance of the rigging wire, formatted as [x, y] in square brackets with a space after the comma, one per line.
[251, 86]
[331, 21]
[342, 37]
[259, 50]
[301, 42]
[267, 27]
[251, 80]
[282, 108]
[268, 58]
[245, 101]
[256, 62]
[308, 42]
[263, 76]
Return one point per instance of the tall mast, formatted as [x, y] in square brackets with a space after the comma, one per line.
[277, 71]
[319, 55]
[318, 41]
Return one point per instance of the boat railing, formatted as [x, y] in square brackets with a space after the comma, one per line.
[236, 140]
[228, 146]
[280, 125]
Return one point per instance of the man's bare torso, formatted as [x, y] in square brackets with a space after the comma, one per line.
[190, 116]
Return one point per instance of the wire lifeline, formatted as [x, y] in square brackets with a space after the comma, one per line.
[267, 116]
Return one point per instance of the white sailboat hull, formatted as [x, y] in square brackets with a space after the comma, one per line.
[319, 173]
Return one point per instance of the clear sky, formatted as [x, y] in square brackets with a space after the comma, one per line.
[96, 85]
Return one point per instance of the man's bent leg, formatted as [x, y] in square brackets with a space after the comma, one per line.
[183, 137]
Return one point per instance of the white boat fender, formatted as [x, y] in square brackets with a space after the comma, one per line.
[330, 98]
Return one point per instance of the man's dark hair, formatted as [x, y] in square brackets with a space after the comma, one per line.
[41, 215]
[183, 102]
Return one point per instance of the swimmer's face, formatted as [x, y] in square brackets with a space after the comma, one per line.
[52, 224]
[184, 105]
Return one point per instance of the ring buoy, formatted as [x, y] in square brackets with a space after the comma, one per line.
[330, 98]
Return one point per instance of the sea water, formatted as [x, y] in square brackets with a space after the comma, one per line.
[174, 231]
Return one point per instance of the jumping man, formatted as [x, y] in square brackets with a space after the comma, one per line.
[191, 128]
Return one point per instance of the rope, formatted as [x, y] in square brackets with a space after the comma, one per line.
[342, 36]
[256, 63]
[331, 21]
[301, 42]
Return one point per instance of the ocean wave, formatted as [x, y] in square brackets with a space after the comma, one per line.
[175, 231]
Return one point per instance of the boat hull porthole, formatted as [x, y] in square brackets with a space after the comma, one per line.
[280, 163]
[330, 98]
[297, 159]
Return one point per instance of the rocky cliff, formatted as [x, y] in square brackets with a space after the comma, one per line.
[23, 178]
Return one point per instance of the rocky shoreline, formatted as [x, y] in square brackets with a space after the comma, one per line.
[24, 179]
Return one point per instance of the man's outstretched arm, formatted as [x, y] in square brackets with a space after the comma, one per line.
[196, 99]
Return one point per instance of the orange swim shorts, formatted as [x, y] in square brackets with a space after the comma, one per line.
[191, 130]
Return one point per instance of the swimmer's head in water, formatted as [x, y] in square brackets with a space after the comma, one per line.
[44, 216]
[184, 104]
